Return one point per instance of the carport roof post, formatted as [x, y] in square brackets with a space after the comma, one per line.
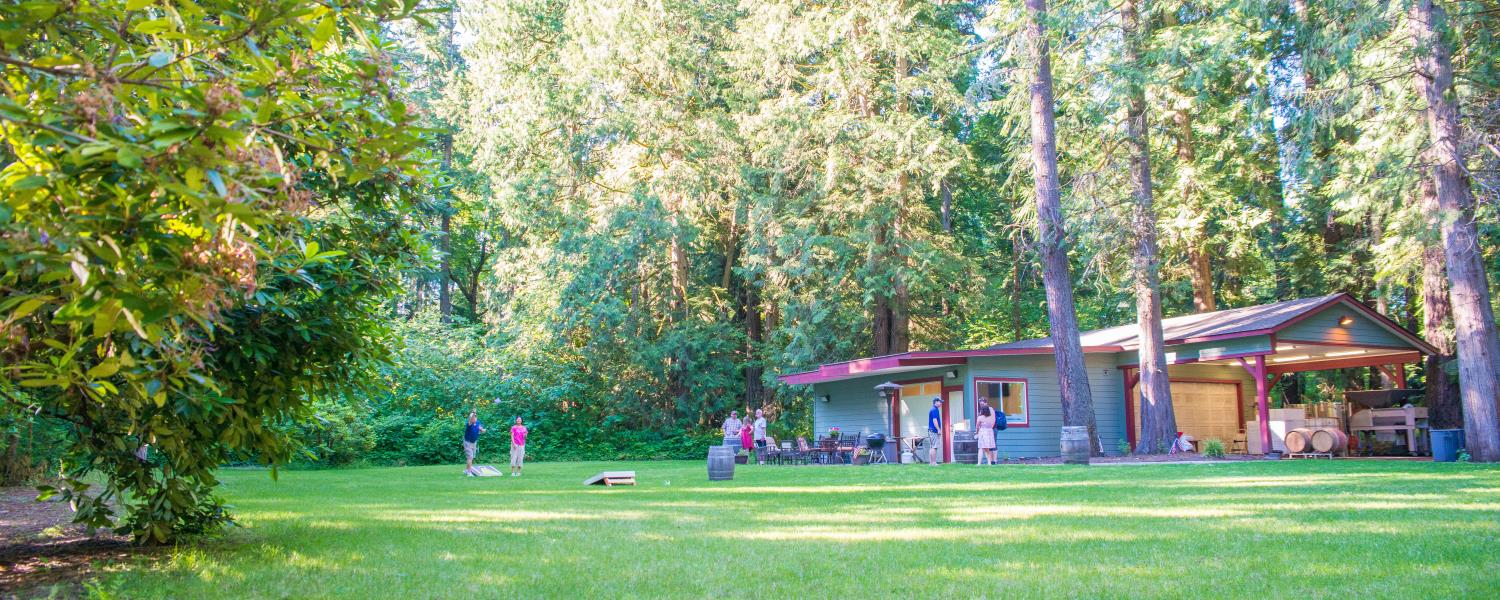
[1262, 400]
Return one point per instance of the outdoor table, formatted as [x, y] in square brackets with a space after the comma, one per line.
[828, 449]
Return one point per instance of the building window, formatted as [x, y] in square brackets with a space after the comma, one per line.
[1008, 394]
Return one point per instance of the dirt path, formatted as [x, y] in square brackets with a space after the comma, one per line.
[42, 553]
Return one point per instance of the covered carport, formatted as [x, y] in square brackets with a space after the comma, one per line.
[1253, 348]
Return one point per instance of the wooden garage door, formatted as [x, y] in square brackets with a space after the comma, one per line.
[1203, 410]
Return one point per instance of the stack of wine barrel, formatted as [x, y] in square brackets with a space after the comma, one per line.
[1316, 440]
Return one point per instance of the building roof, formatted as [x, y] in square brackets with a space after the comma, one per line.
[1230, 323]
[1220, 324]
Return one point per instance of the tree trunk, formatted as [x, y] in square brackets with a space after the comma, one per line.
[880, 325]
[1473, 317]
[1200, 269]
[677, 258]
[1015, 288]
[754, 334]
[1062, 320]
[945, 193]
[445, 294]
[901, 305]
[1158, 424]
[1441, 394]
[419, 289]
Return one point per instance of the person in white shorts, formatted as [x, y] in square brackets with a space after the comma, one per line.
[471, 442]
[517, 447]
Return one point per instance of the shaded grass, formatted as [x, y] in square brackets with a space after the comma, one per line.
[1266, 529]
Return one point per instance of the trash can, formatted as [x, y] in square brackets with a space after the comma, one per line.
[1446, 444]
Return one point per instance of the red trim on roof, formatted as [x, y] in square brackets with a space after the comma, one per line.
[1344, 363]
[1342, 343]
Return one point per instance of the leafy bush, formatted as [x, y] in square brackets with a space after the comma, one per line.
[31, 447]
[1213, 448]
[395, 435]
[339, 433]
[192, 243]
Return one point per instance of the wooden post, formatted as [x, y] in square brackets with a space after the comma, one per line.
[1262, 404]
[1262, 400]
[1401, 376]
[1132, 376]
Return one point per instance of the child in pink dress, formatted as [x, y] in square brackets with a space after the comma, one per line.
[747, 436]
[517, 447]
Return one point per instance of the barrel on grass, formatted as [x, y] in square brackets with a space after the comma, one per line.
[965, 448]
[1075, 445]
[1328, 439]
[720, 463]
[1298, 440]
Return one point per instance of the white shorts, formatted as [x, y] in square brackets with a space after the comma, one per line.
[470, 449]
[517, 454]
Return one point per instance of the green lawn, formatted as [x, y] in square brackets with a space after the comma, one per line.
[1267, 529]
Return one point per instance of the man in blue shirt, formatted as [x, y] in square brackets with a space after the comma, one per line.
[934, 431]
[471, 441]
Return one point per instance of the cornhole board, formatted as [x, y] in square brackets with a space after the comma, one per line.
[486, 471]
[612, 478]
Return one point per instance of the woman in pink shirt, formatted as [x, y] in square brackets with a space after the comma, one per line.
[747, 436]
[517, 447]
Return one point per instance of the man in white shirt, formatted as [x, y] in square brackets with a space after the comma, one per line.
[732, 428]
[760, 434]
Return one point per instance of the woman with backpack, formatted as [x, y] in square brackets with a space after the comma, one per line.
[984, 432]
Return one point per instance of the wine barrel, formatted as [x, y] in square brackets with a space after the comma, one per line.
[720, 463]
[1075, 445]
[732, 441]
[1298, 440]
[965, 448]
[1329, 439]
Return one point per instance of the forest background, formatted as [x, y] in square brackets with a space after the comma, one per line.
[645, 211]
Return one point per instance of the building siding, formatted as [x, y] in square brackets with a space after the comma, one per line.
[1041, 437]
[1324, 327]
[853, 404]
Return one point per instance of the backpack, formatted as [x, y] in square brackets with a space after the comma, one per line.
[1000, 420]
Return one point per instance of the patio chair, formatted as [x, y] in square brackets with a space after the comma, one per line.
[848, 443]
[800, 454]
[772, 451]
[1237, 445]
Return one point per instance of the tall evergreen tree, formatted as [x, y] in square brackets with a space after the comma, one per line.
[1077, 400]
[1473, 315]
[1158, 423]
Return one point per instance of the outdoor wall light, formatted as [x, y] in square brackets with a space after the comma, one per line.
[823, 398]
[951, 374]
[1346, 321]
